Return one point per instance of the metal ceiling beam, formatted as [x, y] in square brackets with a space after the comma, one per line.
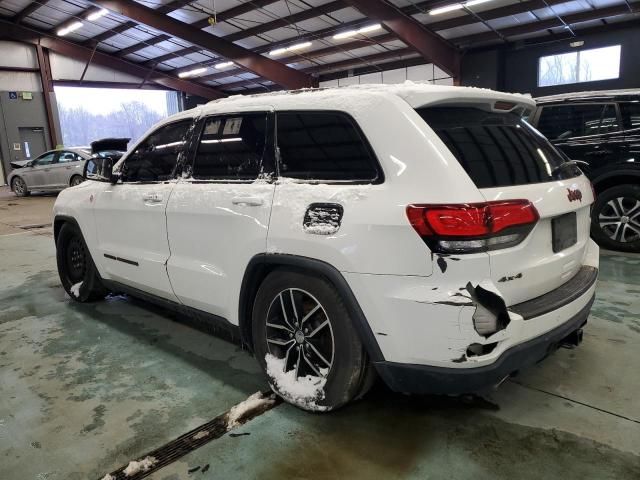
[322, 52]
[28, 10]
[79, 52]
[262, 66]
[78, 17]
[166, 8]
[220, 17]
[554, 22]
[432, 47]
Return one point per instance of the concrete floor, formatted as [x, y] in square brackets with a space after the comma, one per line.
[86, 388]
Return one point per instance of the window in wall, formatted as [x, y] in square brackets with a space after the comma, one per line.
[560, 122]
[579, 66]
[155, 158]
[231, 147]
[630, 115]
[323, 146]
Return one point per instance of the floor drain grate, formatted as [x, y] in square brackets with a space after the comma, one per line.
[196, 438]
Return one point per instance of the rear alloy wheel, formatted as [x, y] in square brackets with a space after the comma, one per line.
[76, 180]
[76, 269]
[615, 220]
[304, 340]
[19, 187]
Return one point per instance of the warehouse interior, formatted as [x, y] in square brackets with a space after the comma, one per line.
[88, 388]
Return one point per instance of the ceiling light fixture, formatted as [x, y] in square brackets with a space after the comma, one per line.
[190, 73]
[456, 6]
[96, 15]
[70, 28]
[360, 31]
[223, 65]
[297, 46]
[448, 8]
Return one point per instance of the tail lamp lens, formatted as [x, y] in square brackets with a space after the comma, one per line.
[468, 228]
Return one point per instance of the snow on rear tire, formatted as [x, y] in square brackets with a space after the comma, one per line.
[305, 342]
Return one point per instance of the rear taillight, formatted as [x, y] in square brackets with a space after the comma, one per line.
[473, 227]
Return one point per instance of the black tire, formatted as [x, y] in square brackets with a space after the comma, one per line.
[615, 219]
[19, 187]
[75, 266]
[76, 180]
[348, 376]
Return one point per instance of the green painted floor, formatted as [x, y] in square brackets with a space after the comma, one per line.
[86, 388]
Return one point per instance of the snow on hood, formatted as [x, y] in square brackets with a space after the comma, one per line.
[118, 144]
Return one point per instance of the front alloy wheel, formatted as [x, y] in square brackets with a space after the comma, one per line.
[20, 187]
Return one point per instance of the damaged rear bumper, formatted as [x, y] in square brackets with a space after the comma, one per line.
[426, 379]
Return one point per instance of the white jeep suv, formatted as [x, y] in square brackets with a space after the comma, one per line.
[425, 233]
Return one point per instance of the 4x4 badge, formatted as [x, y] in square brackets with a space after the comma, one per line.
[574, 195]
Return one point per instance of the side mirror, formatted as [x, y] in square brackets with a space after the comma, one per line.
[99, 169]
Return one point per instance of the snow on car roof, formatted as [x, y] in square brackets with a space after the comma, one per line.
[414, 93]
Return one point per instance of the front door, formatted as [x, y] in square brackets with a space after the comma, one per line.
[218, 216]
[38, 175]
[130, 215]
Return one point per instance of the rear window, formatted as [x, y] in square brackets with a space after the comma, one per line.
[496, 149]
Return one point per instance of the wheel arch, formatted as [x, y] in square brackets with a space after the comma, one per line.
[74, 175]
[616, 178]
[261, 265]
[60, 220]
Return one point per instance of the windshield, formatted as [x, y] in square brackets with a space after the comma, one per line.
[497, 149]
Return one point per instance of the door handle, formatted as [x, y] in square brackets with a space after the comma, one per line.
[249, 201]
[152, 198]
[68, 168]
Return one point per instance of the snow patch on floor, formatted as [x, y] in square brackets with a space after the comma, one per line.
[75, 289]
[241, 410]
[199, 435]
[137, 466]
[108, 477]
[303, 391]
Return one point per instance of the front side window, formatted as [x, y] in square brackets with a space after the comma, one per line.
[231, 147]
[155, 159]
[496, 149]
[630, 115]
[561, 122]
[323, 146]
[44, 160]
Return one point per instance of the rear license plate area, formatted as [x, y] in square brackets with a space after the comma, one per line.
[564, 231]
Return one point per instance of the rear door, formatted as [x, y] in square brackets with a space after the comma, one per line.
[509, 160]
[61, 171]
[218, 214]
[130, 215]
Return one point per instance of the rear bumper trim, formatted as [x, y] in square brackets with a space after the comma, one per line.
[427, 379]
[561, 296]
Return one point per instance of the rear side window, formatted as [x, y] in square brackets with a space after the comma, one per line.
[154, 160]
[323, 146]
[496, 149]
[560, 122]
[630, 115]
[231, 147]
[66, 157]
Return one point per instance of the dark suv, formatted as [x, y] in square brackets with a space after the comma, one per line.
[603, 130]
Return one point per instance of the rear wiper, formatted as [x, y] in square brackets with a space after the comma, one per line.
[567, 163]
